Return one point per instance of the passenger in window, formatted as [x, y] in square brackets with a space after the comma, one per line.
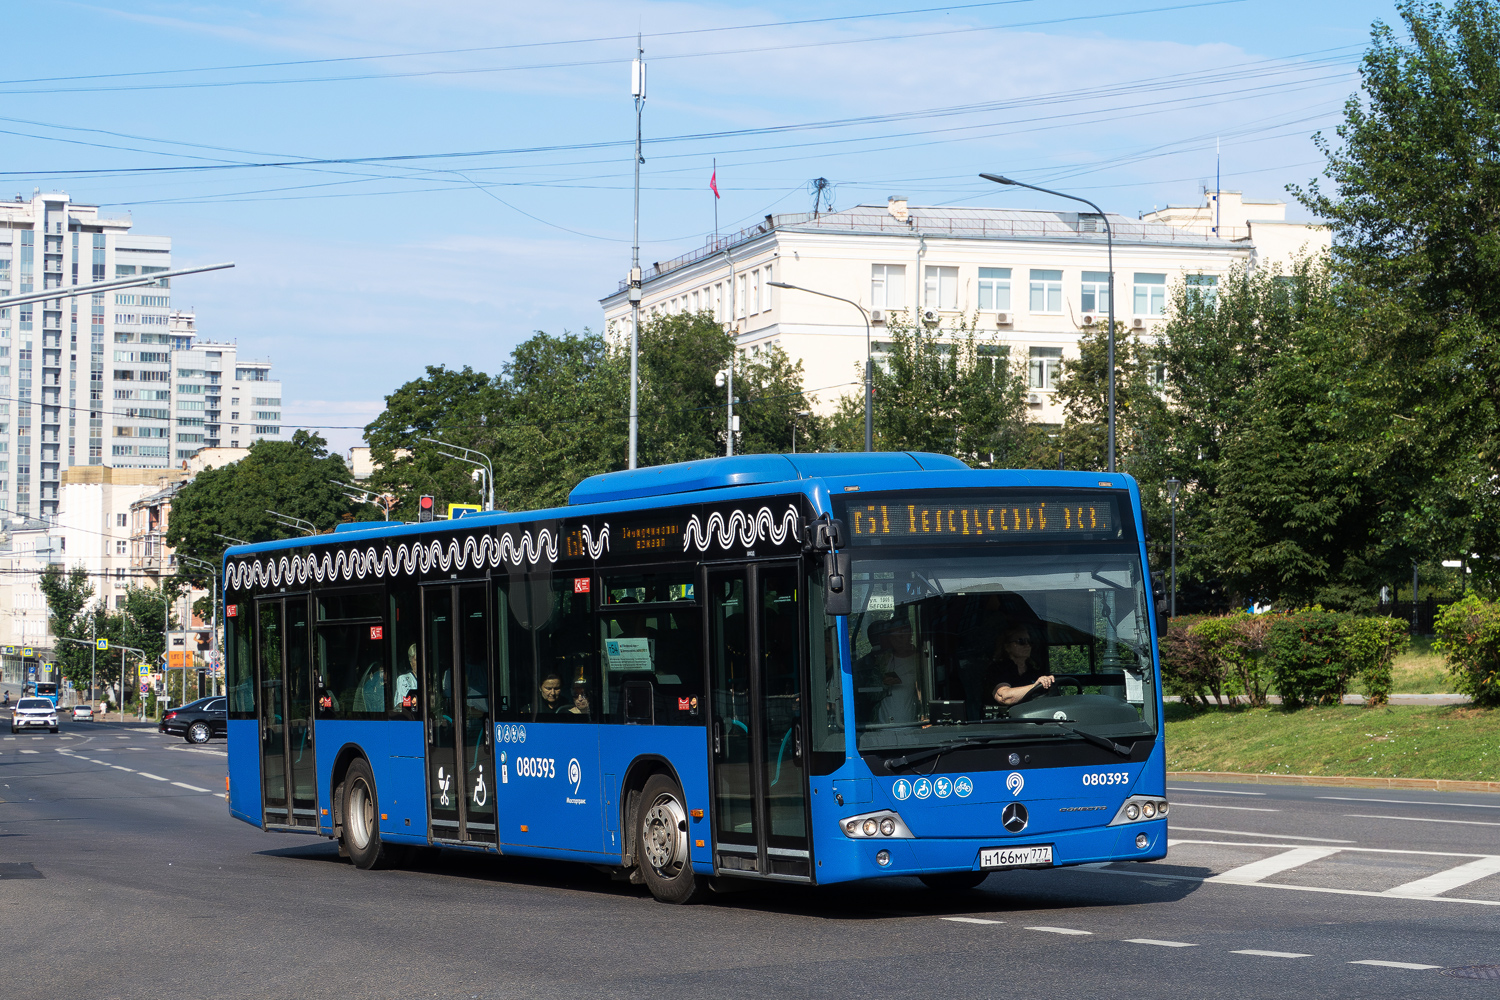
[406, 683]
[552, 697]
[1016, 676]
[902, 671]
[580, 706]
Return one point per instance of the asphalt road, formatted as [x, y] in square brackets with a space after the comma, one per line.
[121, 875]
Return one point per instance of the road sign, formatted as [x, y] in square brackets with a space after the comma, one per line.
[8, 650]
[142, 669]
[457, 510]
[27, 651]
[176, 660]
[101, 644]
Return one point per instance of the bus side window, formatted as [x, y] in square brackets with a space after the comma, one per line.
[827, 690]
[351, 659]
[565, 652]
[240, 668]
[515, 653]
[402, 650]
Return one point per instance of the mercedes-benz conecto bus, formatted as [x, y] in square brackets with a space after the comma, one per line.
[807, 668]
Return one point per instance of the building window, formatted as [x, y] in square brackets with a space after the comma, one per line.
[1094, 294]
[994, 289]
[739, 296]
[766, 302]
[696, 302]
[1046, 291]
[888, 286]
[1150, 294]
[122, 548]
[754, 291]
[941, 288]
[1045, 365]
[1202, 290]
[993, 360]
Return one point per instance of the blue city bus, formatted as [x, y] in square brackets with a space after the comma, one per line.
[795, 668]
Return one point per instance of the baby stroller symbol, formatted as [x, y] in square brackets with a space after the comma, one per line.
[445, 781]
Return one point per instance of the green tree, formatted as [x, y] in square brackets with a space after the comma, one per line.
[950, 391]
[297, 477]
[70, 614]
[772, 404]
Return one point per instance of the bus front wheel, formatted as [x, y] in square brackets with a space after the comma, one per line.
[361, 826]
[661, 844]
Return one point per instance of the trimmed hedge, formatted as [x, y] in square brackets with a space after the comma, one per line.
[1468, 636]
[1308, 657]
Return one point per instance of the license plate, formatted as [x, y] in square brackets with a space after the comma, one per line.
[1015, 857]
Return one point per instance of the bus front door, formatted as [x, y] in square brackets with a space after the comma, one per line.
[759, 778]
[460, 731]
[289, 779]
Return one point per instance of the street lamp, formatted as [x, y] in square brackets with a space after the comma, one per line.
[482, 463]
[213, 635]
[796, 415]
[1173, 485]
[869, 363]
[1110, 243]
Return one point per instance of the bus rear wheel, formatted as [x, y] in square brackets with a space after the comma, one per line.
[661, 844]
[361, 820]
[954, 881]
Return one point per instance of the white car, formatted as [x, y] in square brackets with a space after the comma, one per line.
[83, 713]
[34, 713]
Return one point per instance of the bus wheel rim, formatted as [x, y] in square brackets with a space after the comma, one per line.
[359, 815]
[664, 840]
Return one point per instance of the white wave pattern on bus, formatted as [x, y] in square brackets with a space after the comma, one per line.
[741, 527]
[407, 560]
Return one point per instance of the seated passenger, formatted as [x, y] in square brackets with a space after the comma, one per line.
[1015, 677]
[580, 704]
[406, 683]
[552, 697]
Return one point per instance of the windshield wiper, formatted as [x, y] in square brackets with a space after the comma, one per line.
[892, 763]
[1094, 738]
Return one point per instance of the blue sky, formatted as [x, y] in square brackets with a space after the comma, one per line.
[353, 276]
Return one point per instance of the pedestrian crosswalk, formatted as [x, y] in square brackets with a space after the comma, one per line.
[1337, 868]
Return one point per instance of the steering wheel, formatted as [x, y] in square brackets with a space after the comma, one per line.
[1058, 679]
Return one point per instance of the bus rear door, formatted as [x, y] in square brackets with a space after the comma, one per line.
[460, 720]
[756, 685]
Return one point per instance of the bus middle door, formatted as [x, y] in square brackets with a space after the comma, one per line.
[459, 717]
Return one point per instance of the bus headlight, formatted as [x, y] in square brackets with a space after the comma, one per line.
[1140, 808]
[868, 826]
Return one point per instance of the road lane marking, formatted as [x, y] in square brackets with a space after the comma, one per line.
[1393, 965]
[1153, 877]
[30, 751]
[195, 788]
[1405, 802]
[1422, 819]
[117, 767]
[1358, 850]
[1160, 944]
[1442, 881]
[153, 777]
[1209, 791]
[1176, 803]
[1271, 954]
[1245, 833]
[1255, 871]
[956, 920]
[1061, 930]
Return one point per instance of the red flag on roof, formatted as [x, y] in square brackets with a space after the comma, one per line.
[713, 183]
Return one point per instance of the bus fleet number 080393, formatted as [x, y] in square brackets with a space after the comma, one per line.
[1107, 778]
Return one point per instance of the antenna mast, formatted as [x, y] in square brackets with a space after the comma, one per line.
[638, 91]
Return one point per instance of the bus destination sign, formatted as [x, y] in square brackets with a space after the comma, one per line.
[1055, 517]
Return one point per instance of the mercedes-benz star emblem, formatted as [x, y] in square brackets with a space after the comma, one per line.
[1014, 817]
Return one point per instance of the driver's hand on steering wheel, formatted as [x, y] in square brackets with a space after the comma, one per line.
[1045, 681]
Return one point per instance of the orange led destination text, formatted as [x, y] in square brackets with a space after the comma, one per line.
[916, 519]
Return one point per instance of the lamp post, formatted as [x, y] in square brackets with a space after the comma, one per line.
[1109, 237]
[213, 624]
[869, 363]
[482, 463]
[1173, 485]
[797, 415]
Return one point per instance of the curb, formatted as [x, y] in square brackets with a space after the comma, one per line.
[1337, 781]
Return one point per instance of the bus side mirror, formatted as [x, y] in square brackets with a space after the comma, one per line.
[837, 589]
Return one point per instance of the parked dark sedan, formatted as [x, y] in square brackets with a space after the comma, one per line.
[197, 721]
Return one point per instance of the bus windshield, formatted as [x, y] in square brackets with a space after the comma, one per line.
[951, 644]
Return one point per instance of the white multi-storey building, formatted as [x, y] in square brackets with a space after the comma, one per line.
[219, 399]
[1034, 281]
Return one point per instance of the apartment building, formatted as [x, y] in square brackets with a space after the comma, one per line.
[26, 549]
[1033, 281]
[219, 399]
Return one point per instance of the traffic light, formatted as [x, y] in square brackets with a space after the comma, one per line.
[425, 508]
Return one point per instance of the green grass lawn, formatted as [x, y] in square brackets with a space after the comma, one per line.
[1401, 741]
[1417, 671]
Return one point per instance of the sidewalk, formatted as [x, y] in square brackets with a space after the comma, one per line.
[1349, 699]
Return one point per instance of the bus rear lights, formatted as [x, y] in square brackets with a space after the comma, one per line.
[867, 826]
[883, 859]
[1141, 840]
[1140, 808]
